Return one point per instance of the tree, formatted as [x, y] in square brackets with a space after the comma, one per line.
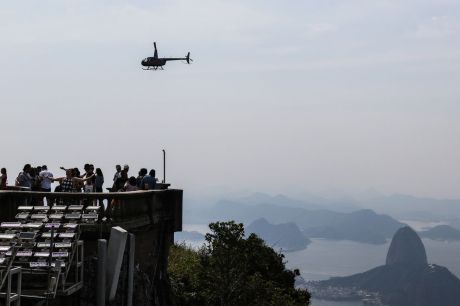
[184, 269]
[231, 270]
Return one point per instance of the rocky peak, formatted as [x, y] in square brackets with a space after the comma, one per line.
[406, 248]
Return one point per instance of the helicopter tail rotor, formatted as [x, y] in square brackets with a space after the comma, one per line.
[188, 59]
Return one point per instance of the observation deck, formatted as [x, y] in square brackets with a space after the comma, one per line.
[49, 253]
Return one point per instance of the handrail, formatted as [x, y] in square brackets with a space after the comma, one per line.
[17, 188]
[84, 195]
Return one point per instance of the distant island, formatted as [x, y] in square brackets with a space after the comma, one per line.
[405, 280]
[441, 232]
[286, 236]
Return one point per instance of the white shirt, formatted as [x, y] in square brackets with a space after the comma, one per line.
[45, 181]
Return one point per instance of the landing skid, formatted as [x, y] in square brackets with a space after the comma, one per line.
[153, 68]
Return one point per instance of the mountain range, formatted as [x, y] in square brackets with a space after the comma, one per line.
[362, 225]
[400, 206]
[410, 207]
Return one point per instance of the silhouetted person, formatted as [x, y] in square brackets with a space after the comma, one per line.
[117, 174]
[78, 184]
[45, 182]
[121, 181]
[143, 172]
[126, 168]
[89, 172]
[24, 179]
[149, 181]
[99, 182]
[131, 184]
[3, 179]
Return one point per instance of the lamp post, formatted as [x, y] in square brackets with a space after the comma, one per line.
[164, 166]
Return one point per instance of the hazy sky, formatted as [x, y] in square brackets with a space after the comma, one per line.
[309, 94]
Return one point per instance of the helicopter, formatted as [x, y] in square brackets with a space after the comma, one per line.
[155, 63]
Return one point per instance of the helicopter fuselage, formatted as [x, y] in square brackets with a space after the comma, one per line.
[153, 62]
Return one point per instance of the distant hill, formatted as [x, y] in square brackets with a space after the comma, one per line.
[286, 236]
[441, 232]
[308, 201]
[362, 226]
[201, 211]
[188, 236]
[410, 207]
[406, 279]
[406, 285]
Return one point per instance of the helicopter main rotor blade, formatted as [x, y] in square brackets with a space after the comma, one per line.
[155, 54]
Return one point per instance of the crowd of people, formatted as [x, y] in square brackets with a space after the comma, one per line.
[91, 180]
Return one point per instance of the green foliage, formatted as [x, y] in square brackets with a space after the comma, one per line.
[184, 269]
[230, 270]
